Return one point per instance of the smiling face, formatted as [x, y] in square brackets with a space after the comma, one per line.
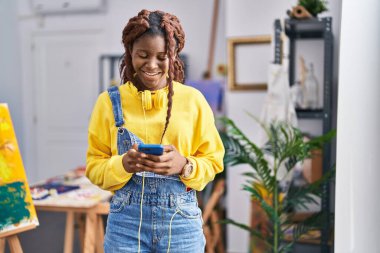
[150, 62]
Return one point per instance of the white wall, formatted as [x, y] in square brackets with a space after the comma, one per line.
[10, 65]
[357, 222]
[250, 18]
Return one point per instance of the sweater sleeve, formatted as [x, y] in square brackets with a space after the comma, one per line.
[104, 168]
[207, 151]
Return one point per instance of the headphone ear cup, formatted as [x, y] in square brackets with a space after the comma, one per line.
[147, 100]
[159, 99]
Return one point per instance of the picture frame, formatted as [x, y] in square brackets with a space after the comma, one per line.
[248, 60]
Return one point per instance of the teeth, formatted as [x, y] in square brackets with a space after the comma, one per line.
[151, 74]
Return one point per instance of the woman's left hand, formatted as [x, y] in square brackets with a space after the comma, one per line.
[170, 163]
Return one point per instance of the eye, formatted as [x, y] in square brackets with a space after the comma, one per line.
[162, 57]
[142, 55]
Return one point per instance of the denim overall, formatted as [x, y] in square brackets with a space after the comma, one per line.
[170, 214]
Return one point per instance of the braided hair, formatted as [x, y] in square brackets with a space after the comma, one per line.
[155, 23]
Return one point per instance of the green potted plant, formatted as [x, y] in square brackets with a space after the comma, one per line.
[314, 7]
[286, 146]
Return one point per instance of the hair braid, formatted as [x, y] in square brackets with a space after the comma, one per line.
[171, 49]
[155, 23]
[134, 29]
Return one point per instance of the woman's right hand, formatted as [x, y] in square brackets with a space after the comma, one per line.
[132, 158]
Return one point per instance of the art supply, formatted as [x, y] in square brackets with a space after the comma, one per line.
[50, 189]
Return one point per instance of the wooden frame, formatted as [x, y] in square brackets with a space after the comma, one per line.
[251, 45]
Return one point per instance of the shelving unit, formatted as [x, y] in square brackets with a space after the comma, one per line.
[112, 60]
[318, 28]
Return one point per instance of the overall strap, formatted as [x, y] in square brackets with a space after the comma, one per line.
[114, 94]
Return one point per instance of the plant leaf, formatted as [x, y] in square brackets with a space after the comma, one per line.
[252, 232]
[286, 146]
[240, 150]
[255, 194]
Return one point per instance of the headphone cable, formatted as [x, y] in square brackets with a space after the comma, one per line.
[143, 180]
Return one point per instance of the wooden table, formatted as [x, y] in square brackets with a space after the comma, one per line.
[91, 231]
[85, 201]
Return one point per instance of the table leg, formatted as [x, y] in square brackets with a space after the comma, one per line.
[69, 232]
[89, 237]
[80, 220]
[99, 234]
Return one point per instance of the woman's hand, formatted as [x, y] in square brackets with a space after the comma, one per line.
[170, 163]
[132, 158]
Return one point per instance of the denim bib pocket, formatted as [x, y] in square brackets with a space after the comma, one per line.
[189, 210]
[117, 204]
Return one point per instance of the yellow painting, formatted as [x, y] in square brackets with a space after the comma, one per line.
[16, 206]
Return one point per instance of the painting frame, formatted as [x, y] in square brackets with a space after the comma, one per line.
[232, 46]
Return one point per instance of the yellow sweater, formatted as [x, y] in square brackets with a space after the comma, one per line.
[191, 130]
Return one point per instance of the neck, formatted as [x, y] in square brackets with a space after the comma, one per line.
[141, 87]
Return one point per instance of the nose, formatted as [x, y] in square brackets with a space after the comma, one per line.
[151, 63]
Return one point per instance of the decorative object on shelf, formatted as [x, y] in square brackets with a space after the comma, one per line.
[302, 70]
[286, 146]
[299, 12]
[306, 9]
[314, 6]
[247, 61]
[296, 95]
[305, 93]
[310, 89]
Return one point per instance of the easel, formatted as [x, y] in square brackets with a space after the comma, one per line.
[12, 238]
[213, 234]
[210, 62]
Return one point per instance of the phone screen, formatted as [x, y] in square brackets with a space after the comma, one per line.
[152, 149]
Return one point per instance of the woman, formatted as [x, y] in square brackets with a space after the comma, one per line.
[154, 207]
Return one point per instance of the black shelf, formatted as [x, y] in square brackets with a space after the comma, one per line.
[310, 113]
[316, 28]
[309, 28]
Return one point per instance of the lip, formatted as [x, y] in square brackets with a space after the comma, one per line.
[151, 73]
[150, 77]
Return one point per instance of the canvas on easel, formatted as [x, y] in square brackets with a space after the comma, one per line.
[17, 212]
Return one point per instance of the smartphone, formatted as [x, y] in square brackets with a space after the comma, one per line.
[151, 149]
